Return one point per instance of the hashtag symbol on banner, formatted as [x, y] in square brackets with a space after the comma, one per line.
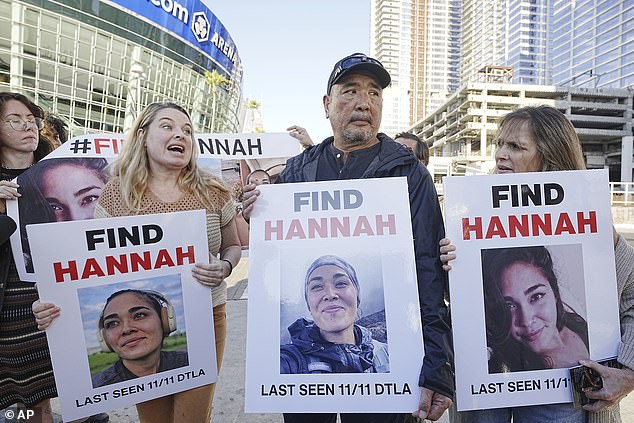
[83, 145]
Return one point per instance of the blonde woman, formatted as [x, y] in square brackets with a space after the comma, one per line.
[157, 173]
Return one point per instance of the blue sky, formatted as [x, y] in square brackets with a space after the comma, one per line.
[288, 49]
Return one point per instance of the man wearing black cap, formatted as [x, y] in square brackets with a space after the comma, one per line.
[353, 103]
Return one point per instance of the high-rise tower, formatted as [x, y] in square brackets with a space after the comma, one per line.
[435, 56]
[527, 25]
[593, 43]
[390, 42]
[482, 37]
[418, 41]
[507, 33]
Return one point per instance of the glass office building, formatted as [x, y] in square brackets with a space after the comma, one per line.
[526, 41]
[593, 43]
[95, 63]
[418, 42]
[482, 44]
[390, 42]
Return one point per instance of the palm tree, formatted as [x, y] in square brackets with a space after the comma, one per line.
[214, 79]
[253, 106]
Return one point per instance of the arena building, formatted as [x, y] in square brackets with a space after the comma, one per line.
[95, 63]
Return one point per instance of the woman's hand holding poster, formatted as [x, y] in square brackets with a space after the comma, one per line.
[134, 324]
[533, 289]
[333, 320]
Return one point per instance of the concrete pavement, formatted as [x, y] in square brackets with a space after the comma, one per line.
[229, 397]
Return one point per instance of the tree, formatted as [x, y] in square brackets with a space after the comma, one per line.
[253, 106]
[214, 79]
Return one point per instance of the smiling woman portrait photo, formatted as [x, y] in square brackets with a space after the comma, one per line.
[335, 339]
[529, 326]
[134, 324]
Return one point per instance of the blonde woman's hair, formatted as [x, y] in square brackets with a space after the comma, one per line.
[554, 135]
[133, 167]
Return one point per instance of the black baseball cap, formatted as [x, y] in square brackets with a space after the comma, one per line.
[359, 63]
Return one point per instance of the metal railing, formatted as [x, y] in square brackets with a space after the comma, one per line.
[622, 193]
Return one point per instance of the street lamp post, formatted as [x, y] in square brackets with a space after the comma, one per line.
[133, 106]
[138, 72]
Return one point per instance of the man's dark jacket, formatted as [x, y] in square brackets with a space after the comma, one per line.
[394, 160]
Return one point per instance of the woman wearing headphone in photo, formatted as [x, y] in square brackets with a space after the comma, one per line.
[133, 324]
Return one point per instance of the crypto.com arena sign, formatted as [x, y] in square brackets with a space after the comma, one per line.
[191, 20]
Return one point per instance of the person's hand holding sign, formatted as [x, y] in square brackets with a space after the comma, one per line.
[249, 196]
[212, 273]
[447, 253]
[617, 383]
[432, 405]
[9, 190]
[44, 313]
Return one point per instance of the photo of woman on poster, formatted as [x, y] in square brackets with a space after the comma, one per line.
[528, 325]
[334, 341]
[134, 324]
[59, 190]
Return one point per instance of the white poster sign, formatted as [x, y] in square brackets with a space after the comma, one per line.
[248, 146]
[219, 146]
[533, 289]
[129, 300]
[66, 184]
[333, 321]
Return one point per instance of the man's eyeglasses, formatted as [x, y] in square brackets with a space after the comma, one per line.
[21, 124]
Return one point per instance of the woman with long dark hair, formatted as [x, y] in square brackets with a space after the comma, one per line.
[59, 190]
[529, 327]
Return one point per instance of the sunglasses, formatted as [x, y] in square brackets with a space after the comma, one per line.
[353, 60]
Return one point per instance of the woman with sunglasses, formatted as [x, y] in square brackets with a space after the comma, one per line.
[26, 374]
